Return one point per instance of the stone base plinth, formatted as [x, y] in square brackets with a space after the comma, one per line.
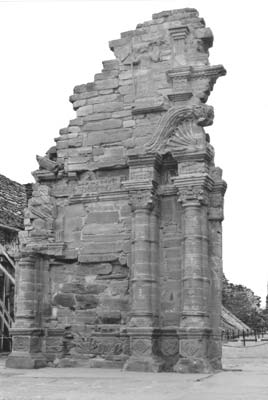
[102, 363]
[27, 345]
[193, 366]
[146, 364]
[143, 348]
[24, 360]
[197, 353]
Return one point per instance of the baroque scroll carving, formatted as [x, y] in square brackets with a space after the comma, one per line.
[176, 128]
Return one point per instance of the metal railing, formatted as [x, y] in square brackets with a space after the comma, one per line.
[249, 335]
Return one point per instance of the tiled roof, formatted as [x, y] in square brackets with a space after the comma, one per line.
[230, 321]
[12, 203]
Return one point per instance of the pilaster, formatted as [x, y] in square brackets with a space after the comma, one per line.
[143, 320]
[215, 218]
[195, 329]
[27, 333]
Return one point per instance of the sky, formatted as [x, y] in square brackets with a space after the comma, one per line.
[48, 47]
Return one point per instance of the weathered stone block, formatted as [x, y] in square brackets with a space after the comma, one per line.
[79, 288]
[104, 98]
[88, 317]
[86, 301]
[98, 117]
[110, 136]
[75, 210]
[64, 300]
[129, 123]
[101, 269]
[85, 110]
[97, 258]
[113, 303]
[102, 125]
[107, 84]
[80, 88]
[108, 107]
[109, 317]
[110, 65]
[102, 218]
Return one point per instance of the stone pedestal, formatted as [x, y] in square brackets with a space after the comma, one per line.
[194, 348]
[27, 335]
[26, 352]
[143, 347]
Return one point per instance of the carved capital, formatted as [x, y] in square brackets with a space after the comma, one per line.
[193, 189]
[192, 194]
[28, 261]
[143, 200]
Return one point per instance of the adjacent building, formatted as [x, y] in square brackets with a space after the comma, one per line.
[12, 204]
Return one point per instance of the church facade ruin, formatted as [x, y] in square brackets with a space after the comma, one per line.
[121, 255]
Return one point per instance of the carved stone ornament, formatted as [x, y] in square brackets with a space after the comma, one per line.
[47, 164]
[170, 346]
[140, 53]
[141, 346]
[192, 194]
[191, 348]
[143, 200]
[176, 128]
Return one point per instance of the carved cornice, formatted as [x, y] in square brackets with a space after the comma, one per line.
[212, 72]
[179, 33]
[180, 73]
[167, 190]
[176, 128]
[99, 196]
[142, 184]
[206, 154]
[139, 109]
[180, 96]
[220, 187]
[27, 331]
[136, 160]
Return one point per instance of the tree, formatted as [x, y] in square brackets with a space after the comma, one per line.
[243, 303]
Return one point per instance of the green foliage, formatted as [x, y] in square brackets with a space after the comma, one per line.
[243, 303]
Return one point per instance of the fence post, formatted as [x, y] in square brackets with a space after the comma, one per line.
[244, 338]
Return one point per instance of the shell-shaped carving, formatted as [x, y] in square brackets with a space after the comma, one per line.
[175, 128]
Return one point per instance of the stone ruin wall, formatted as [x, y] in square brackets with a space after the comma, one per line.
[121, 255]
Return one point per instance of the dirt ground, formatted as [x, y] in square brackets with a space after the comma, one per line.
[244, 377]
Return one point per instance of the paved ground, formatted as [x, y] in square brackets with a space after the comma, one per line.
[245, 378]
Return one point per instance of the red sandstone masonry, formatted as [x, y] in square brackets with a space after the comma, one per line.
[119, 217]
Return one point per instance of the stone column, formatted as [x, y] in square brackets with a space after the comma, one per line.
[215, 217]
[143, 270]
[143, 323]
[27, 334]
[195, 329]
